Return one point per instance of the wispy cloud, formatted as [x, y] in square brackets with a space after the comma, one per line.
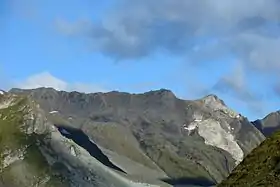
[235, 84]
[45, 79]
[202, 31]
[137, 28]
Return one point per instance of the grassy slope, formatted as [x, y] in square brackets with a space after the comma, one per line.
[260, 168]
[32, 169]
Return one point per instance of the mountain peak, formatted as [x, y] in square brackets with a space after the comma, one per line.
[213, 99]
[276, 113]
[155, 120]
[162, 93]
[215, 103]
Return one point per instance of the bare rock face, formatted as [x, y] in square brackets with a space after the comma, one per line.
[33, 152]
[269, 124]
[152, 137]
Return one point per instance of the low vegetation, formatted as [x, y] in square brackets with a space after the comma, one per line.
[260, 168]
[21, 161]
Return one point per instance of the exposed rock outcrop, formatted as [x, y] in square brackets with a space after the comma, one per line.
[34, 153]
[269, 124]
[160, 136]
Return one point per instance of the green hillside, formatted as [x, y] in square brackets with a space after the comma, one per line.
[260, 168]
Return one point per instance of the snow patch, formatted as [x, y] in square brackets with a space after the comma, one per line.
[214, 135]
[190, 128]
[53, 112]
[1, 92]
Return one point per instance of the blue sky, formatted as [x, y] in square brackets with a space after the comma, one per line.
[95, 45]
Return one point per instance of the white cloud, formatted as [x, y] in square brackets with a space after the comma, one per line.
[234, 83]
[202, 31]
[45, 79]
[247, 29]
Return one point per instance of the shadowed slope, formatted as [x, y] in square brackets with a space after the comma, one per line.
[189, 181]
[269, 123]
[82, 140]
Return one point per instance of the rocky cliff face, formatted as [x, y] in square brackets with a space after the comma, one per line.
[34, 152]
[155, 136]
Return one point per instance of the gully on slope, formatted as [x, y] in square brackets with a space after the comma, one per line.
[80, 138]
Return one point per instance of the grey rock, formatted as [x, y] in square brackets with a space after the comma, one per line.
[269, 123]
[166, 137]
[34, 153]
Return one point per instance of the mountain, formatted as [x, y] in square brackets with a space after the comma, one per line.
[260, 168]
[34, 152]
[126, 139]
[269, 124]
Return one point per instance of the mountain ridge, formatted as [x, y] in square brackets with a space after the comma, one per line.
[34, 153]
[161, 129]
[269, 124]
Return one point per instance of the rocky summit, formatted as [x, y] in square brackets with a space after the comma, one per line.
[116, 139]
